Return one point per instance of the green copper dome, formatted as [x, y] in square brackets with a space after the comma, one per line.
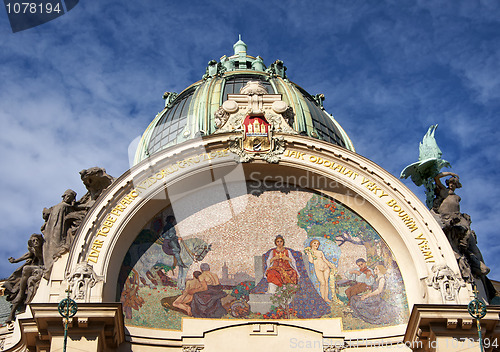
[190, 114]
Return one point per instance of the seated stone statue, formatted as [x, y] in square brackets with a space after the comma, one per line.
[21, 286]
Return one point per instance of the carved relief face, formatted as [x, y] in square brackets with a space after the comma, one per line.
[446, 281]
[81, 279]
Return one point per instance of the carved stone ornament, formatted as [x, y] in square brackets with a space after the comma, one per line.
[192, 348]
[445, 281]
[81, 281]
[257, 116]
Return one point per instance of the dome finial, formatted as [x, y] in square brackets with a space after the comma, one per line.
[240, 46]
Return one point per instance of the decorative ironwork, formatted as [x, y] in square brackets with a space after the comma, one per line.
[477, 310]
[67, 309]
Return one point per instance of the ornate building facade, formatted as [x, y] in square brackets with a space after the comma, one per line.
[248, 223]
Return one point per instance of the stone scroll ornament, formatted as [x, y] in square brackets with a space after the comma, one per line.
[444, 204]
[257, 115]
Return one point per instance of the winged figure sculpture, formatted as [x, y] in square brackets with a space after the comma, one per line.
[429, 165]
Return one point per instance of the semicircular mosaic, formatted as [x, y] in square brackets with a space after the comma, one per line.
[282, 253]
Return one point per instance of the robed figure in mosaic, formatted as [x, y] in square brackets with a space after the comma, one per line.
[307, 302]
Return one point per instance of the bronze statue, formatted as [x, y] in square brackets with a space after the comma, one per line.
[445, 206]
[21, 286]
[428, 166]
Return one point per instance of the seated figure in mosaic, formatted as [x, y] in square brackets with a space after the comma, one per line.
[207, 302]
[183, 302]
[372, 306]
[281, 267]
[362, 279]
[307, 302]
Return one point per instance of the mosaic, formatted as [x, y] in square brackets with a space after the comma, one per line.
[281, 254]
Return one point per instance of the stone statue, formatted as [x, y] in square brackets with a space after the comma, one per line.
[61, 223]
[63, 220]
[289, 116]
[55, 228]
[96, 180]
[429, 164]
[220, 117]
[21, 286]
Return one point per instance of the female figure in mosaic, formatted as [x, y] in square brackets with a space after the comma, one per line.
[324, 269]
[372, 306]
[281, 266]
[288, 267]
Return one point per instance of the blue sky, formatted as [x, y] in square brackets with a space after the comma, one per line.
[76, 91]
